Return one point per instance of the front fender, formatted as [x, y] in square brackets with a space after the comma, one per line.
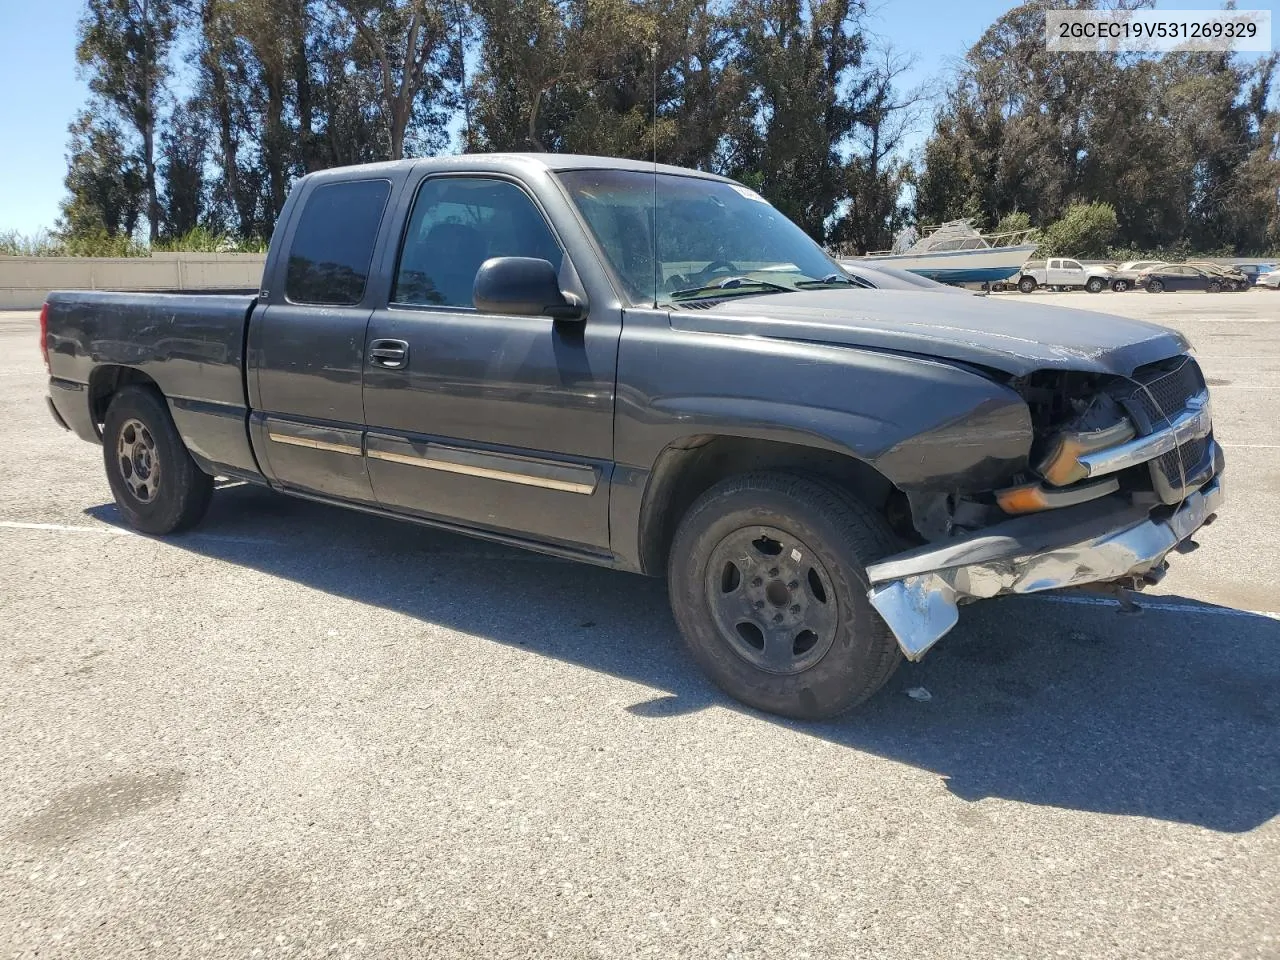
[922, 423]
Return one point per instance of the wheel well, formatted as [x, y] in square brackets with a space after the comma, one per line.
[691, 466]
[108, 380]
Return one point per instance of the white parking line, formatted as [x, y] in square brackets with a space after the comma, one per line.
[106, 530]
[1249, 446]
[1221, 320]
[1163, 607]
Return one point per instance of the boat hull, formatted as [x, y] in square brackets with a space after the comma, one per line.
[989, 265]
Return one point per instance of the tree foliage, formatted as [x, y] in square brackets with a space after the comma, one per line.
[1085, 230]
[1182, 146]
[204, 112]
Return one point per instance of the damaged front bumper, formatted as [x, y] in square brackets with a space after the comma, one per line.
[918, 593]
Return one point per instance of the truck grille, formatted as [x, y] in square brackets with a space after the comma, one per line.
[1161, 393]
[1168, 386]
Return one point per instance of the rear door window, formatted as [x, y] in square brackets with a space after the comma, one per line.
[333, 242]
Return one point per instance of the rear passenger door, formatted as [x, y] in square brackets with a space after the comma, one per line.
[1070, 273]
[306, 349]
[499, 422]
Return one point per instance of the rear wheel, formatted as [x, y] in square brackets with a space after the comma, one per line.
[157, 486]
[1027, 284]
[1095, 285]
[1154, 286]
[768, 585]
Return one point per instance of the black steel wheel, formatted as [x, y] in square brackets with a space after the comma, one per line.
[772, 599]
[768, 586]
[157, 486]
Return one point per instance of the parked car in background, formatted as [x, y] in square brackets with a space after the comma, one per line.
[1126, 276]
[1269, 280]
[1232, 277]
[1063, 274]
[893, 278]
[1181, 276]
[1255, 271]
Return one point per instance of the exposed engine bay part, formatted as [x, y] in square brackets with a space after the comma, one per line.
[931, 513]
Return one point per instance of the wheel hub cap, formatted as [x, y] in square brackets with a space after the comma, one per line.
[139, 465]
[772, 599]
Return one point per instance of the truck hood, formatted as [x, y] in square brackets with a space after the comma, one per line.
[1016, 336]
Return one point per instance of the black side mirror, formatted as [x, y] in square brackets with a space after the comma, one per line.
[524, 286]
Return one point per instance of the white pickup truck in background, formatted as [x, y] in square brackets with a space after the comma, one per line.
[1061, 273]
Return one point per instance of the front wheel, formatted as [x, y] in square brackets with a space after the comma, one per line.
[157, 486]
[1215, 286]
[768, 585]
[1119, 286]
[1154, 286]
[1095, 285]
[1027, 284]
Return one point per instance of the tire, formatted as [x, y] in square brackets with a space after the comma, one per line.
[785, 554]
[1119, 286]
[157, 486]
[1214, 287]
[1027, 285]
[1096, 285]
[1154, 286]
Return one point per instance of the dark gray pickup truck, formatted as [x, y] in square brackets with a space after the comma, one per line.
[498, 345]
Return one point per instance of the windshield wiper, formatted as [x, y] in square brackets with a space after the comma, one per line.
[829, 280]
[729, 284]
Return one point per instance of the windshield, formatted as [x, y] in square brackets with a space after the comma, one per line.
[709, 233]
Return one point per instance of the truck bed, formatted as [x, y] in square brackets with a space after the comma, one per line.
[191, 346]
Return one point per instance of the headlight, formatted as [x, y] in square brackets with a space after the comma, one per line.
[1061, 464]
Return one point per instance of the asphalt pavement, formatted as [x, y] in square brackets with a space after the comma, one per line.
[299, 731]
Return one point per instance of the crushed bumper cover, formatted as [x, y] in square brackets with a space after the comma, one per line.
[918, 593]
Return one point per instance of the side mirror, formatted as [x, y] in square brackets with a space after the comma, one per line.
[524, 286]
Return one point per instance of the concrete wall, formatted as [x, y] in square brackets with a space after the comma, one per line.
[26, 281]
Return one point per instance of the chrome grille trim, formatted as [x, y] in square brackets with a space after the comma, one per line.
[1194, 422]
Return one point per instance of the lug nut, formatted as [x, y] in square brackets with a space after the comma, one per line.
[759, 604]
[777, 618]
[756, 582]
[773, 572]
[794, 584]
[795, 608]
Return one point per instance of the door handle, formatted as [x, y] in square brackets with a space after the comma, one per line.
[389, 354]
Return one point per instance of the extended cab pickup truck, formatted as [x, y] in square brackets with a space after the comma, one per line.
[1060, 273]
[824, 473]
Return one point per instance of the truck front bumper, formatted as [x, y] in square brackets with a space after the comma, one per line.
[918, 593]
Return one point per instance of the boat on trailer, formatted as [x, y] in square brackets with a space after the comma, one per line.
[956, 252]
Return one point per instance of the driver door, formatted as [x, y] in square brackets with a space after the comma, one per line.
[499, 422]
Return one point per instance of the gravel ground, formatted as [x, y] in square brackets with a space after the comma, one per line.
[303, 732]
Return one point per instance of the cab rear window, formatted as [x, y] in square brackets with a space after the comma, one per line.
[333, 243]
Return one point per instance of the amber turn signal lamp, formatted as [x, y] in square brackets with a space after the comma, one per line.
[1024, 499]
[1062, 466]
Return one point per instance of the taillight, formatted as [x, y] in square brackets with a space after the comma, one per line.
[44, 337]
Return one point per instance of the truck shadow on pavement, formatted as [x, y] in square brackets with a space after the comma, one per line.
[1169, 715]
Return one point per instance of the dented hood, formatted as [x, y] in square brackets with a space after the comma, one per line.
[1015, 335]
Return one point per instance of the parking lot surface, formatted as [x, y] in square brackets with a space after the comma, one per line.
[299, 731]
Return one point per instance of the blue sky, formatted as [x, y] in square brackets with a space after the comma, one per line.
[42, 91]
